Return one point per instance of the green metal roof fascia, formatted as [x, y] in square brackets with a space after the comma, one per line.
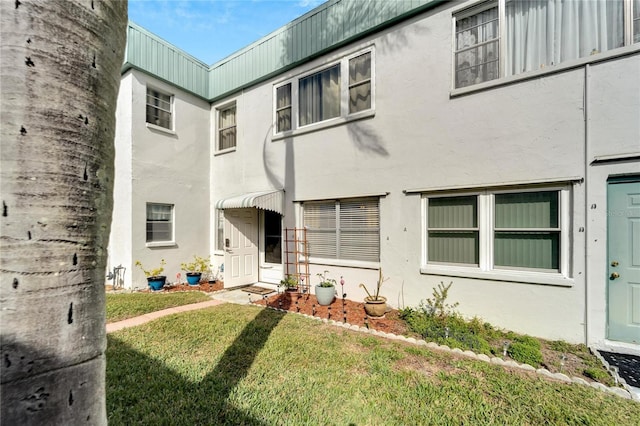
[423, 5]
[127, 66]
[153, 55]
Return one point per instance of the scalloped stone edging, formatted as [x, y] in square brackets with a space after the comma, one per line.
[620, 392]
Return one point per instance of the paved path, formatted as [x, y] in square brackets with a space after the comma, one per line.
[132, 322]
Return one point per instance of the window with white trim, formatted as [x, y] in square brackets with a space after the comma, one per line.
[360, 83]
[508, 37]
[341, 89]
[347, 229]
[160, 223]
[498, 230]
[319, 96]
[283, 108]
[226, 127]
[219, 229]
[159, 108]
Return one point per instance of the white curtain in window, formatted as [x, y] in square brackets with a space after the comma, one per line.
[477, 48]
[320, 96]
[636, 21]
[547, 32]
[360, 83]
[283, 108]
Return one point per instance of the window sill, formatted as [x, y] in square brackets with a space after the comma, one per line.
[155, 244]
[333, 122]
[345, 263]
[546, 278]
[160, 129]
[550, 69]
[224, 151]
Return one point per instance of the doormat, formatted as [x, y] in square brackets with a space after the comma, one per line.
[628, 366]
[257, 290]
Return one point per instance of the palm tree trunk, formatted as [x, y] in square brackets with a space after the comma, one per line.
[60, 73]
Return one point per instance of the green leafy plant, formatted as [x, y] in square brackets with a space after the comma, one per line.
[597, 373]
[376, 295]
[290, 282]
[438, 305]
[200, 265]
[324, 281]
[526, 349]
[154, 272]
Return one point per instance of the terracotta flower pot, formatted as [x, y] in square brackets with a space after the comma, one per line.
[375, 307]
[292, 294]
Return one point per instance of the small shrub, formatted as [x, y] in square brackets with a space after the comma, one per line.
[438, 306]
[527, 350]
[597, 373]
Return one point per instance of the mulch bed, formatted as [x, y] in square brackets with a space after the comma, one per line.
[206, 287]
[343, 310]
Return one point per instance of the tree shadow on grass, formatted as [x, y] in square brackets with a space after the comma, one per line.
[142, 390]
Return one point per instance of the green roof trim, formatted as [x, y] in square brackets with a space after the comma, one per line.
[325, 28]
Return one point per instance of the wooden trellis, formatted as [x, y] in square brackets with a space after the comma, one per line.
[296, 257]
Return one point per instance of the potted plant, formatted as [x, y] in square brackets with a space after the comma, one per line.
[195, 269]
[375, 305]
[290, 284]
[326, 289]
[154, 278]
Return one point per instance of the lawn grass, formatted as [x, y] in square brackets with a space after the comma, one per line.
[121, 306]
[246, 365]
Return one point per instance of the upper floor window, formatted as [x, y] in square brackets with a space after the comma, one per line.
[283, 108]
[320, 96]
[227, 127]
[159, 223]
[360, 83]
[636, 21]
[341, 89]
[159, 108]
[344, 229]
[535, 34]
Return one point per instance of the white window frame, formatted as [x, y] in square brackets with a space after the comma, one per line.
[278, 109]
[486, 214]
[162, 243]
[341, 261]
[471, 9]
[219, 226]
[218, 129]
[170, 111]
[344, 115]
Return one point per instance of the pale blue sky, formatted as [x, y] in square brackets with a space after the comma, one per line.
[210, 30]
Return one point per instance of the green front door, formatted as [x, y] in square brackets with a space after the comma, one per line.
[624, 260]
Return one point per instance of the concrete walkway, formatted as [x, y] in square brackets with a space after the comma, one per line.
[132, 322]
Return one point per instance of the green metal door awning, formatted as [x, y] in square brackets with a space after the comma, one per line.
[265, 200]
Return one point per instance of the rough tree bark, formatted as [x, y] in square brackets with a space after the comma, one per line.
[59, 76]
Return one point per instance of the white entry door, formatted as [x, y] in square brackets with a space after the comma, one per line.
[241, 247]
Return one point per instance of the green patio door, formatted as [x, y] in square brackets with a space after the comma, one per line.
[624, 260]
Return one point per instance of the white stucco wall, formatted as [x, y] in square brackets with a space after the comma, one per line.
[423, 137]
[172, 168]
[613, 130]
[120, 237]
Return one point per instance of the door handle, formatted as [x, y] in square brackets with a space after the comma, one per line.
[614, 275]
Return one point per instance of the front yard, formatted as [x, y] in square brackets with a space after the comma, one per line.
[246, 365]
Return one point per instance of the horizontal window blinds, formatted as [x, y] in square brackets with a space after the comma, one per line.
[346, 229]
